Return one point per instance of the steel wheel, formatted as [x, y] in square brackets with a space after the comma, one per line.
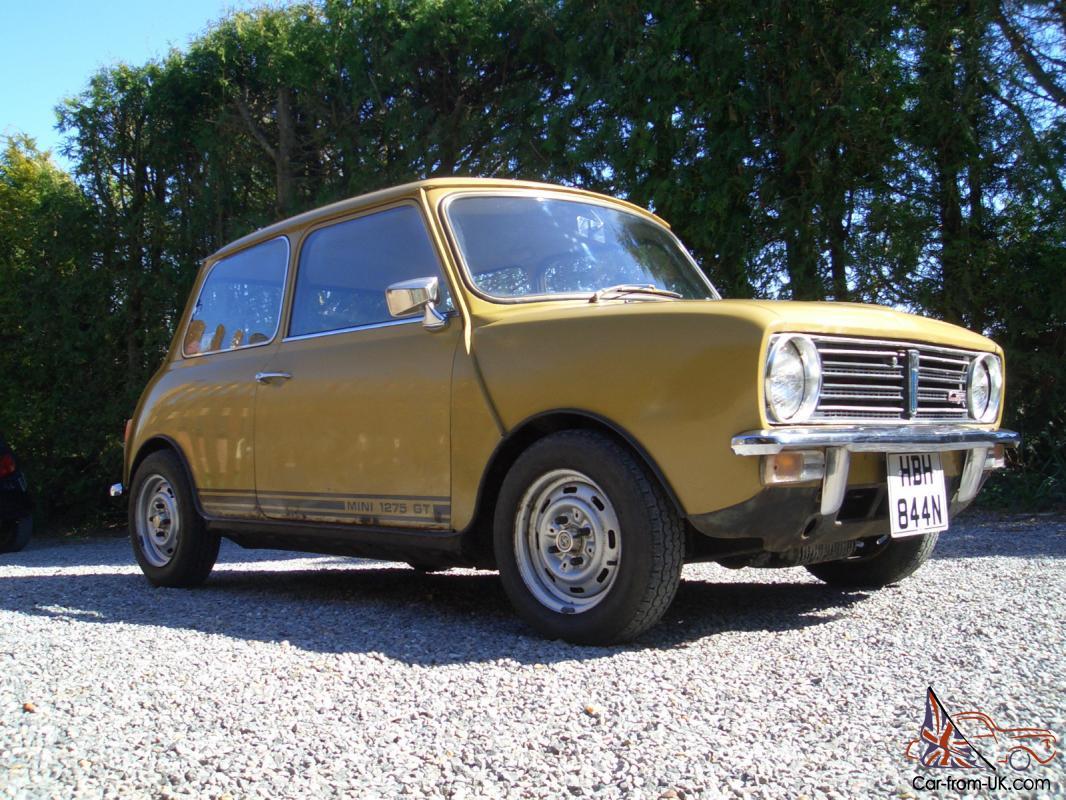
[158, 520]
[567, 541]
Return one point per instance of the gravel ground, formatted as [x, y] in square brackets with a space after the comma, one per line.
[315, 677]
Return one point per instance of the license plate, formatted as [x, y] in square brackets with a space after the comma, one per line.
[917, 500]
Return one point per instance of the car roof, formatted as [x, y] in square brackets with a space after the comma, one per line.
[404, 191]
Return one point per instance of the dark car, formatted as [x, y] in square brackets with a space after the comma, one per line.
[16, 522]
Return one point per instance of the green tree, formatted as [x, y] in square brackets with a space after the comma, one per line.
[912, 154]
[58, 353]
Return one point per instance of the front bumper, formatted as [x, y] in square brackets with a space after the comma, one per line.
[872, 439]
[789, 519]
[839, 443]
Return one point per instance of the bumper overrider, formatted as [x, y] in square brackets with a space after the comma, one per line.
[810, 500]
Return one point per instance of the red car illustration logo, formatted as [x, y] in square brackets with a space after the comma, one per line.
[959, 740]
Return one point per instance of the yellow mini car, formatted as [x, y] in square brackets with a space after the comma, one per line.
[541, 380]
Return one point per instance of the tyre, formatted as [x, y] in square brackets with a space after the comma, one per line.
[15, 534]
[589, 547]
[896, 560]
[170, 540]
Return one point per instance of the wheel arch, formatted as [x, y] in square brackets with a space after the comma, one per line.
[522, 436]
[158, 443]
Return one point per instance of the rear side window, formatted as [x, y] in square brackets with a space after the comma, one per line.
[240, 302]
[345, 269]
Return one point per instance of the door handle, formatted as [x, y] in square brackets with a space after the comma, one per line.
[267, 377]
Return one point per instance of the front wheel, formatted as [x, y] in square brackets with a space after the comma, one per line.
[894, 561]
[170, 540]
[589, 548]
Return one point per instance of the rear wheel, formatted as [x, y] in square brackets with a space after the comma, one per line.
[170, 540]
[589, 548]
[15, 534]
[894, 561]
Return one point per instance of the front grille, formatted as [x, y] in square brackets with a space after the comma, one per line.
[870, 380]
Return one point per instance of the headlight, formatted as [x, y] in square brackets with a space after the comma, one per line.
[985, 388]
[793, 378]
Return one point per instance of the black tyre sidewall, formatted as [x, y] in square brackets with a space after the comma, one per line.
[899, 559]
[15, 534]
[197, 548]
[604, 463]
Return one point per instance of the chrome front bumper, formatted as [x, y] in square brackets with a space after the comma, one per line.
[840, 443]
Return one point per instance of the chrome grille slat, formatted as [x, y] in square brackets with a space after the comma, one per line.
[958, 361]
[956, 382]
[885, 410]
[862, 387]
[841, 352]
[887, 394]
[861, 373]
[868, 380]
[871, 368]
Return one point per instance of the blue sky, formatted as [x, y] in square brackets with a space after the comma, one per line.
[52, 47]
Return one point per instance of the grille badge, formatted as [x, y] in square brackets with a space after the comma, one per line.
[912, 384]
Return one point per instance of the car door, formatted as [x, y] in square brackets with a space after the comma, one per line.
[353, 424]
[208, 395]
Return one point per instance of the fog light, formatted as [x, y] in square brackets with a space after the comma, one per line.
[793, 466]
[996, 458]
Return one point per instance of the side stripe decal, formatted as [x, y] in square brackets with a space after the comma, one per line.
[356, 508]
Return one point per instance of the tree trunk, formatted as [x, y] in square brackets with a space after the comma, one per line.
[838, 255]
[801, 254]
[836, 216]
[283, 157]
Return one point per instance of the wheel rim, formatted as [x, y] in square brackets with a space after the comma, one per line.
[158, 521]
[567, 541]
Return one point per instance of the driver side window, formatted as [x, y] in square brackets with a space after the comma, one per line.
[345, 268]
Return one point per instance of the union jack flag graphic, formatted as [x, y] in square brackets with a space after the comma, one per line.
[944, 745]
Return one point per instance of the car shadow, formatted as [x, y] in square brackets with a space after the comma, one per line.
[363, 607]
[342, 605]
[114, 550]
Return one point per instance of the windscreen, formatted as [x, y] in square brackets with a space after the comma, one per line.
[526, 246]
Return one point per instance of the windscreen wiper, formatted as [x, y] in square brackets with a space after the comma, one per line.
[623, 289]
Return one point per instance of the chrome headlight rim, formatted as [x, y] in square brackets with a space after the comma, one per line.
[812, 376]
[994, 369]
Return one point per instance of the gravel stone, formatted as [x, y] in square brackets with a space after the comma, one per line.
[295, 677]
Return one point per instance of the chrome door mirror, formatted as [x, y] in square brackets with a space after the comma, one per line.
[407, 297]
